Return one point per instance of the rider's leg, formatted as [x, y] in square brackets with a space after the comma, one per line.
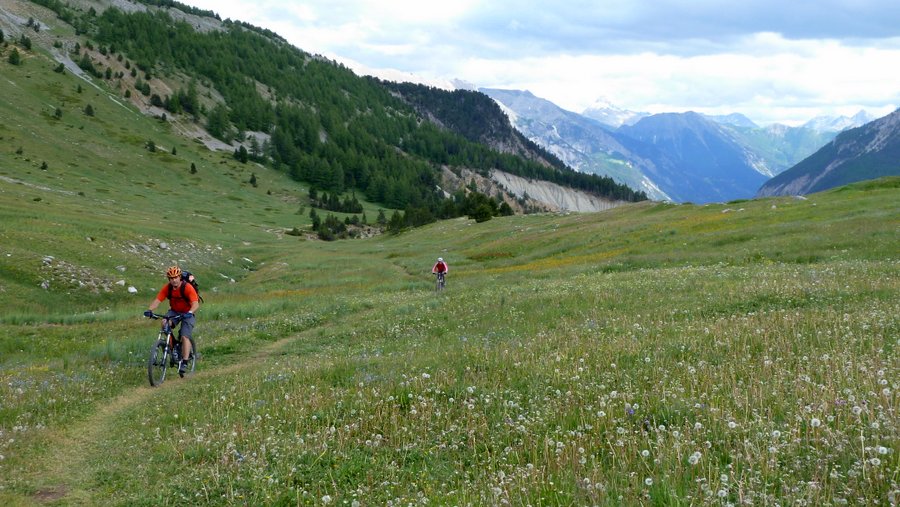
[186, 332]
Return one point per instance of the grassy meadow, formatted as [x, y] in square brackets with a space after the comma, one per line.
[655, 354]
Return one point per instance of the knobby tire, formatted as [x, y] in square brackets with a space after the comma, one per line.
[157, 363]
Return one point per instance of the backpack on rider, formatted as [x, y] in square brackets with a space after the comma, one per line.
[187, 277]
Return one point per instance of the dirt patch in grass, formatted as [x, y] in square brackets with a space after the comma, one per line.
[51, 494]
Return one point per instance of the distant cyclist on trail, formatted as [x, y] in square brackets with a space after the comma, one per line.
[440, 267]
[183, 299]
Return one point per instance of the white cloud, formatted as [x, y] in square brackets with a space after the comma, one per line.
[772, 61]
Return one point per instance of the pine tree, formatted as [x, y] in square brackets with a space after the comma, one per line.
[14, 57]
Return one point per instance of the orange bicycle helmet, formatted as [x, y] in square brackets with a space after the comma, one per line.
[173, 272]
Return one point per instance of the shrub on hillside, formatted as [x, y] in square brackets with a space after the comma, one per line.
[14, 57]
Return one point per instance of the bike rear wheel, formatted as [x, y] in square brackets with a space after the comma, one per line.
[158, 362]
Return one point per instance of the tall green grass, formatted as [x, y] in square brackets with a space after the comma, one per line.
[740, 353]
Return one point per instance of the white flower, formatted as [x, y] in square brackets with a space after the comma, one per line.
[648, 481]
[732, 425]
[426, 376]
[645, 453]
[815, 423]
[856, 410]
[695, 458]
[875, 462]
[882, 449]
[723, 478]
[698, 426]
[776, 434]
[326, 499]
[722, 493]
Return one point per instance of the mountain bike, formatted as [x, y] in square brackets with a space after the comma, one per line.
[439, 282]
[166, 351]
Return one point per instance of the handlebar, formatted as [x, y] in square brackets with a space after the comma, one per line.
[155, 316]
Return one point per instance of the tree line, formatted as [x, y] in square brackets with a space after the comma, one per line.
[328, 127]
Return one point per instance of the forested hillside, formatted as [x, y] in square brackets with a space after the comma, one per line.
[479, 119]
[321, 123]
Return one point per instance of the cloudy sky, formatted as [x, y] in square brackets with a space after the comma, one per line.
[772, 60]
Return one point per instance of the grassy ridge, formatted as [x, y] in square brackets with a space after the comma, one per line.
[655, 354]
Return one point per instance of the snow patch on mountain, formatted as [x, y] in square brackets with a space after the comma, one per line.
[839, 123]
[608, 113]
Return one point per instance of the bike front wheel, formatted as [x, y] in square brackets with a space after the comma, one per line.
[158, 362]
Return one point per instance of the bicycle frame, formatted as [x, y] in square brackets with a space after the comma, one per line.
[166, 351]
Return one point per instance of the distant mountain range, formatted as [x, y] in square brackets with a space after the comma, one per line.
[862, 153]
[676, 156]
[581, 142]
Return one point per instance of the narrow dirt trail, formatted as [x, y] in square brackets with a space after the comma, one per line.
[64, 474]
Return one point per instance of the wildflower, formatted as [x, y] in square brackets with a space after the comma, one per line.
[856, 410]
[648, 481]
[882, 450]
[722, 493]
[426, 376]
[645, 453]
[776, 434]
[326, 499]
[695, 458]
[732, 425]
[815, 423]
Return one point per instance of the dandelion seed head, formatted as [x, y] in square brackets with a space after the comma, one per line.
[648, 481]
[815, 423]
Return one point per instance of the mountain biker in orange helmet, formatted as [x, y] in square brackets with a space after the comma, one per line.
[183, 299]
